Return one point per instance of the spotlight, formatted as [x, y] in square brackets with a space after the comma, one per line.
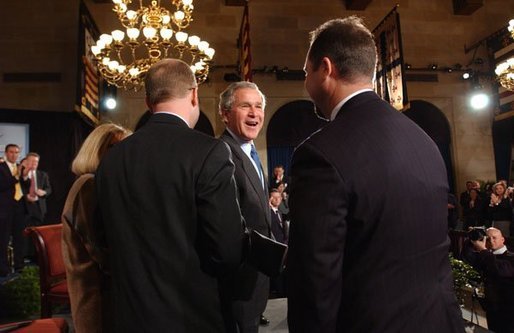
[408, 66]
[433, 67]
[479, 100]
[466, 75]
[110, 103]
[448, 69]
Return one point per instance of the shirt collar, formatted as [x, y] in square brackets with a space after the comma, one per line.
[339, 105]
[173, 114]
[501, 250]
[246, 146]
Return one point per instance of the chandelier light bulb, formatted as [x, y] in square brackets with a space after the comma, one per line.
[181, 36]
[187, 3]
[113, 65]
[511, 25]
[133, 71]
[131, 14]
[107, 39]
[116, 2]
[96, 50]
[166, 33]
[106, 61]
[149, 32]
[121, 68]
[118, 35]
[194, 40]
[209, 52]
[179, 15]
[166, 19]
[193, 68]
[203, 45]
[199, 65]
[133, 33]
[122, 7]
[100, 43]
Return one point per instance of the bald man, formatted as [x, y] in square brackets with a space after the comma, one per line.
[496, 265]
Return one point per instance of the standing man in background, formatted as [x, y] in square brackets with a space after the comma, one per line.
[242, 110]
[364, 258]
[11, 206]
[36, 185]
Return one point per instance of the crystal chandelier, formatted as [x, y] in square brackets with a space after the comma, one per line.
[505, 70]
[150, 33]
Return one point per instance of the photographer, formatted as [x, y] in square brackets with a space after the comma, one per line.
[486, 252]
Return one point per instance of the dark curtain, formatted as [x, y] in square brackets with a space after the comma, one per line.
[502, 144]
[56, 136]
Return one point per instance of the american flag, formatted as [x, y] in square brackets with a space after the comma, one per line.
[245, 56]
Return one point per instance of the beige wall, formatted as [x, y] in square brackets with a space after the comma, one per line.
[279, 35]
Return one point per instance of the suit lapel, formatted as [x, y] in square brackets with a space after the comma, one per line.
[248, 168]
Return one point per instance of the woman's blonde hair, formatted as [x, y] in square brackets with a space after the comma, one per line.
[95, 146]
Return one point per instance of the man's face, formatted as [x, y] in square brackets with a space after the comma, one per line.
[32, 162]
[496, 239]
[469, 185]
[246, 117]
[278, 172]
[12, 154]
[275, 199]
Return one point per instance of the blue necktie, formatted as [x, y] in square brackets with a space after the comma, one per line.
[255, 158]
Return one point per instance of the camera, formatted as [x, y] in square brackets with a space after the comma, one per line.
[477, 233]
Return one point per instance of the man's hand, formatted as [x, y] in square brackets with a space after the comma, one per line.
[40, 192]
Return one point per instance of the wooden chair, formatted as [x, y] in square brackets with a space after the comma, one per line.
[52, 274]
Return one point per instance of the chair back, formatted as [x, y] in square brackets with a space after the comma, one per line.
[47, 240]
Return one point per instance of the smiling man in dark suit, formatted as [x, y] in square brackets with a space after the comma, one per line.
[172, 223]
[242, 110]
[362, 257]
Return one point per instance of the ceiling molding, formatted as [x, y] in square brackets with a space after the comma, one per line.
[235, 2]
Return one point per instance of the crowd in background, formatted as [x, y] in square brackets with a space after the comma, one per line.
[489, 205]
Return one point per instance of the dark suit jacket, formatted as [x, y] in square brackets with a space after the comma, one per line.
[368, 244]
[172, 225]
[37, 209]
[278, 227]
[253, 199]
[7, 182]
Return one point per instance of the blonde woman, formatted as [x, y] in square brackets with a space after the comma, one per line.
[84, 255]
[500, 209]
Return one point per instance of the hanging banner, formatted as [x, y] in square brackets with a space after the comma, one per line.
[390, 83]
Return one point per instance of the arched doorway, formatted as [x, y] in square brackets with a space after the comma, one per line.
[435, 124]
[288, 127]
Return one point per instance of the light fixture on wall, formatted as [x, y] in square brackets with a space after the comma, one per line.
[150, 33]
[505, 70]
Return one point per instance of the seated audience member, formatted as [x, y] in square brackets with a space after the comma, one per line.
[473, 212]
[83, 250]
[496, 266]
[284, 205]
[500, 209]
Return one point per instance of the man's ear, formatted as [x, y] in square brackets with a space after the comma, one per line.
[148, 104]
[327, 67]
[194, 97]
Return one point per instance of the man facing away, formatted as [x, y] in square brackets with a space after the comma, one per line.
[364, 258]
[172, 223]
[242, 110]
